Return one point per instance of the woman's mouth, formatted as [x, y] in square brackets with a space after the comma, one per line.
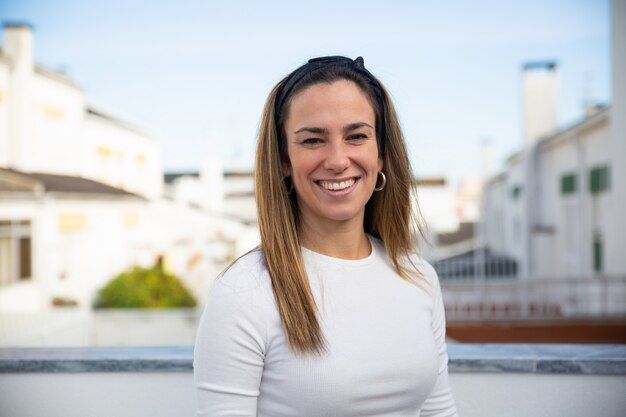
[337, 185]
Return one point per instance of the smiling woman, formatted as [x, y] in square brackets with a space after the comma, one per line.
[334, 165]
[335, 314]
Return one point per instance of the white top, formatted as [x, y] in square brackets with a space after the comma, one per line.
[385, 338]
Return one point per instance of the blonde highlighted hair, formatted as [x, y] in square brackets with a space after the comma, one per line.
[388, 214]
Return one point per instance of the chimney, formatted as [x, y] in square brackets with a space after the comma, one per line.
[540, 79]
[18, 49]
[18, 46]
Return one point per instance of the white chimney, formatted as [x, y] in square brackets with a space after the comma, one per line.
[18, 46]
[540, 80]
[18, 49]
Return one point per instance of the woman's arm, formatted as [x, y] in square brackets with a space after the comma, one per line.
[440, 402]
[230, 348]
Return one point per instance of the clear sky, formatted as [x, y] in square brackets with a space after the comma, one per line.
[196, 73]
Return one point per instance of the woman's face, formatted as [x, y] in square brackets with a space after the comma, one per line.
[333, 154]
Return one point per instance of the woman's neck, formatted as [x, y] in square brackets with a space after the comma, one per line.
[344, 241]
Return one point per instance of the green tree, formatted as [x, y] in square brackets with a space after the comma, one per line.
[144, 288]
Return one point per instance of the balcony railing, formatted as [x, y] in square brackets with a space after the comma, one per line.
[537, 297]
[487, 380]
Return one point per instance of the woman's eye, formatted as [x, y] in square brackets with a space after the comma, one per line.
[311, 141]
[357, 136]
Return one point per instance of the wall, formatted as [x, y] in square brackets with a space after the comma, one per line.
[538, 395]
[4, 113]
[56, 112]
[121, 156]
[487, 380]
[78, 244]
[616, 261]
[570, 221]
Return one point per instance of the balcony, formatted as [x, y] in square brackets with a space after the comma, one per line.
[488, 380]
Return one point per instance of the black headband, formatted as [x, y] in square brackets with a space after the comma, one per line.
[315, 64]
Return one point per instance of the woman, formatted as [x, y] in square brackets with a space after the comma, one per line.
[334, 314]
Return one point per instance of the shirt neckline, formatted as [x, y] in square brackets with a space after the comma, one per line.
[312, 255]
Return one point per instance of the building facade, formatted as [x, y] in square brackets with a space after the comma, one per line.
[46, 125]
[81, 196]
[557, 207]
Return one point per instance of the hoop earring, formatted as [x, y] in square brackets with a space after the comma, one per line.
[381, 186]
[289, 184]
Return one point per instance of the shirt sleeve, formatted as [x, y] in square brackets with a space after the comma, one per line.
[440, 402]
[230, 349]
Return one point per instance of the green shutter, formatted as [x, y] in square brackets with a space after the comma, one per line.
[599, 179]
[597, 255]
[516, 191]
[568, 184]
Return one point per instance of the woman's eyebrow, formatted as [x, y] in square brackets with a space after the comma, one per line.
[323, 130]
[318, 130]
[355, 126]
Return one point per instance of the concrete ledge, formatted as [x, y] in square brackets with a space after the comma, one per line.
[97, 359]
[538, 358]
[464, 358]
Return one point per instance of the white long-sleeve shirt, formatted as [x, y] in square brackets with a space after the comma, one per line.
[385, 339]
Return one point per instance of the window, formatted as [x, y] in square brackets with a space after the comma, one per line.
[599, 179]
[597, 254]
[15, 251]
[516, 191]
[569, 184]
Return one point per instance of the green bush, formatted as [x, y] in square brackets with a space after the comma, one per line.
[144, 288]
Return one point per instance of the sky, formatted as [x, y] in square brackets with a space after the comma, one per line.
[195, 74]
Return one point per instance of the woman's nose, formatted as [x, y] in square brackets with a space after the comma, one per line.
[337, 158]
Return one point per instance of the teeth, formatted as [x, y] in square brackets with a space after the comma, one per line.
[334, 186]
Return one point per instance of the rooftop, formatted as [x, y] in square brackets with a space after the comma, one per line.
[18, 181]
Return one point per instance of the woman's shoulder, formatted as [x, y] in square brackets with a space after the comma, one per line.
[246, 273]
[424, 267]
[413, 261]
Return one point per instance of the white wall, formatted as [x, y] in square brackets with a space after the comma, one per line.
[504, 215]
[576, 217]
[437, 206]
[80, 327]
[563, 225]
[81, 242]
[538, 395]
[77, 245]
[239, 197]
[98, 394]
[4, 113]
[172, 394]
[55, 116]
[616, 261]
[121, 157]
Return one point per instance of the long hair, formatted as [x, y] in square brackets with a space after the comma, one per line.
[388, 214]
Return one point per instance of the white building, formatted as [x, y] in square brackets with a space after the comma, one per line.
[550, 239]
[47, 126]
[61, 237]
[557, 207]
[81, 195]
